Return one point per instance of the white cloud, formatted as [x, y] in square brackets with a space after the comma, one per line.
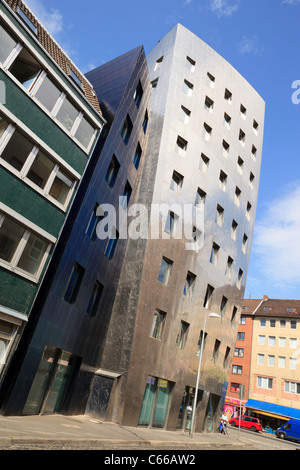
[291, 2]
[224, 7]
[249, 45]
[51, 19]
[276, 242]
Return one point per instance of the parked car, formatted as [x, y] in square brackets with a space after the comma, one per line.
[247, 422]
[290, 430]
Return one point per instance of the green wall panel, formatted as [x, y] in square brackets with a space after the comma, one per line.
[24, 200]
[16, 292]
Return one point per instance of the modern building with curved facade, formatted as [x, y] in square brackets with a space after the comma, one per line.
[185, 255]
[204, 151]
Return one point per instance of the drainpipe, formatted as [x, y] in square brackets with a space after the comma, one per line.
[254, 311]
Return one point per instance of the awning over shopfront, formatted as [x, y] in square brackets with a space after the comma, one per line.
[270, 409]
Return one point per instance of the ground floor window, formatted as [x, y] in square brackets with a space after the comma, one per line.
[155, 403]
[51, 381]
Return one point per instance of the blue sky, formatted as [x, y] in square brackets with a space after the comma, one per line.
[260, 38]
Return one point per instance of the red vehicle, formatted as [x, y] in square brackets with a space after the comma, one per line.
[247, 422]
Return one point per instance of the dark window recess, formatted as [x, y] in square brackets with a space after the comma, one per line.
[145, 122]
[137, 156]
[111, 245]
[138, 94]
[95, 299]
[127, 129]
[74, 283]
[112, 171]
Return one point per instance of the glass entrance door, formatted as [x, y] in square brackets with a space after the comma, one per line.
[51, 382]
[155, 403]
[186, 408]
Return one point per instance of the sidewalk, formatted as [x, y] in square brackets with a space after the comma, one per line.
[83, 431]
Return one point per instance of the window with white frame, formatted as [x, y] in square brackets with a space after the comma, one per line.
[34, 166]
[282, 342]
[265, 382]
[272, 341]
[292, 387]
[281, 362]
[260, 359]
[293, 363]
[21, 64]
[293, 343]
[271, 360]
[261, 340]
[21, 249]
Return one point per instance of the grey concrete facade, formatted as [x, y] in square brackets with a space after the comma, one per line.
[222, 165]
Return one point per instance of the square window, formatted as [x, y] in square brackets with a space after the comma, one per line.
[137, 156]
[208, 104]
[208, 296]
[145, 122]
[255, 126]
[240, 163]
[74, 283]
[229, 266]
[206, 132]
[226, 148]
[187, 88]
[239, 278]
[25, 68]
[158, 324]
[95, 298]
[112, 172]
[126, 129]
[75, 79]
[165, 271]
[228, 96]
[182, 334]
[84, 132]
[8, 43]
[223, 180]
[216, 351]
[154, 83]
[126, 195]
[254, 152]
[11, 234]
[200, 196]
[47, 93]
[112, 244]
[17, 150]
[61, 187]
[185, 115]
[191, 64]
[251, 179]
[220, 215]
[189, 284]
[243, 111]
[92, 225]
[234, 228]
[181, 146]
[272, 323]
[40, 170]
[245, 243]
[26, 20]
[67, 114]
[171, 223]
[293, 324]
[204, 163]
[176, 182]
[214, 254]
[242, 137]
[237, 194]
[248, 210]
[223, 306]
[200, 342]
[158, 63]
[211, 79]
[227, 120]
[138, 94]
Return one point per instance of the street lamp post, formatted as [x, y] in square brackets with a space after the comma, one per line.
[213, 315]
